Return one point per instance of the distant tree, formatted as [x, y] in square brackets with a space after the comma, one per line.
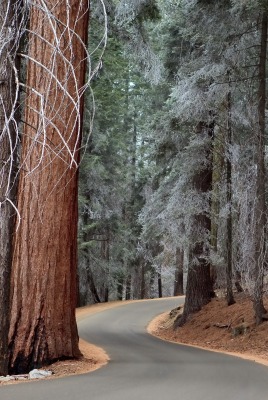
[178, 284]
[209, 76]
[229, 259]
[223, 84]
[112, 174]
[104, 177]
[260, 208]
[43, 295]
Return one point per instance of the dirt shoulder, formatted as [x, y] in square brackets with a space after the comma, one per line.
[93, 357]
[218, 327]
[210, 329]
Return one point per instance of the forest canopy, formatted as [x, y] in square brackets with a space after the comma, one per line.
[133, 155]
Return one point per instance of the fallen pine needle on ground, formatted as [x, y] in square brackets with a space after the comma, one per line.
[218, 327]
[212, 328]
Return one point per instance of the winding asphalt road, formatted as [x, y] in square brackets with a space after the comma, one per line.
[146, 368]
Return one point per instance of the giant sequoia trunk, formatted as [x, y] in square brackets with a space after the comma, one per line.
[8, 154]
[199, 284]
[43, 326]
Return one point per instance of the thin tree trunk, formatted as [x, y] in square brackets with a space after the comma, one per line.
[178, 284]
[260, 208]
[105, 255]
[106, 295]
[229, 268]
[89, 274]
[159, 284]
[217, 170]
[8, 164]
[128, 287]
[43, 326]
[92, 286]
[152, 281]
[142, 282]
[120, 287]
[238, 285]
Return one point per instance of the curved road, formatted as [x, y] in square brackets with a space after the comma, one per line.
[145, 368]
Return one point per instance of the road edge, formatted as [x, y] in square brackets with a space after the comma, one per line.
[152, 325]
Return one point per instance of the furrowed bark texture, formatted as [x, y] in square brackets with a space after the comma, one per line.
[8, 160]
[43, 326]
[199, 288]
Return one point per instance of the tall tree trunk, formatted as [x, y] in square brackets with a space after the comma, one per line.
[8, 163]
[159, 284]
[198, 289]
[92, 286]
[120, 282]
[218, 167]
[260, 208]
[229, 268]
[89, 274]
[178, 284]
[43, 326]
[199, 285]
[128, 287]
[105, 251]
[238, 285]
[142, 282]
[120, 286]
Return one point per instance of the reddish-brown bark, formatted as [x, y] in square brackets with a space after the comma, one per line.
[43, 326]
[199, 284]
[8, 154]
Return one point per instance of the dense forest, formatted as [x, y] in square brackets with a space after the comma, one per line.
[132, 161]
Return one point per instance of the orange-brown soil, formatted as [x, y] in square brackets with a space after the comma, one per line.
[213, 328]
[201, 330]
[93, 357]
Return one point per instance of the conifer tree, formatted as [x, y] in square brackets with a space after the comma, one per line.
[43, 293]
[11, 22]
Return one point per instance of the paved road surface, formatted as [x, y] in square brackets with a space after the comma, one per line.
[145, 368]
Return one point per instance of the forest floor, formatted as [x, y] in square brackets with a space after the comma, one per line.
[93, 357]
[212, 328]
[218, 327]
